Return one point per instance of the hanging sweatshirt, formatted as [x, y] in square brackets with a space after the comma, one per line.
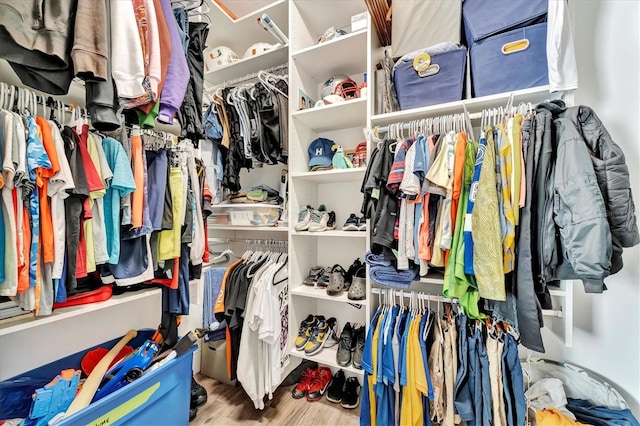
[128, 67]
[177, 78]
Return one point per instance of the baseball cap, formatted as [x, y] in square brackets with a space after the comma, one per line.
[320, 153]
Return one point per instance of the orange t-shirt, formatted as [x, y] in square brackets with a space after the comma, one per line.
[137, 198]
[458, 168]
[46, 222]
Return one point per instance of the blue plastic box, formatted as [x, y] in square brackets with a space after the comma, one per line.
[161, 397]
[442, 82]
[495, 70]
[485, 18]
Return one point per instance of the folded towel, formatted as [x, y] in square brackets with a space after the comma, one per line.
[390, 277]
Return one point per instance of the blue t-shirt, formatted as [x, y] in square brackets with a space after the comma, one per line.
[468, 231]
[367, 365]
[120, 185]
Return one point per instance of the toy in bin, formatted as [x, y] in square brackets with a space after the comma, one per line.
[128, 369]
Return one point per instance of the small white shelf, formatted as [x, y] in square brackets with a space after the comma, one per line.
[333, 233]
[343, 55]
[533, 95]
[343, 115]
[270, 59]
[332, 176]
[321, 293]
[219, 227]
[74, 311]
[327, 356]
[432, 279]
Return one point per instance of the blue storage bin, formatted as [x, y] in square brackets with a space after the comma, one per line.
[161, 397]
[495, 70]
[484, 18]
[442, 81]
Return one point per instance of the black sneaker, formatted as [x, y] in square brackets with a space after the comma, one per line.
[351, 396]
[362, 224]
[351, 272]
[331, 223]
[198, 393]
[336, 389]
[343, 354]
[351, 224]
[193, 412]
[359, 337]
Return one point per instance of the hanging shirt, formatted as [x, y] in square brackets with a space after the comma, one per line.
[561, 58]
[99, 245]
[468, 227]
[120, 185]
[9, 255]
[506, 173]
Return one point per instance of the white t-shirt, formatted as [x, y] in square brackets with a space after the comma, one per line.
[561, 57]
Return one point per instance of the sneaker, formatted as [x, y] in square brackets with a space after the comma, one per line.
[351, 396]
[336, 281]
[319, 384]
[331, 223]
[360, 337]
[302, 388]
[323, 281]
[198, 393]
[314, 275]
[306, 326]
[304, 219]
[358, 288]
[351, 272]
[336, 389]
[319, 219]
[345, 347]
[362, 224]
[323, 333]
[352, 223]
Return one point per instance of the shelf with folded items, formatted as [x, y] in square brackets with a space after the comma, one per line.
[533, 95]
[342, 115]
[221, 227]
[331, 233]
[319, 60]
[327, 356]
[321, 293]
[242, 67]
[332, 176]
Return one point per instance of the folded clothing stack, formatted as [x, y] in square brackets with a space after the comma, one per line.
[382, 272]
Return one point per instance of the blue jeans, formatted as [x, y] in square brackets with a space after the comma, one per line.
[183, 26]
[512, 383]
[462, 398]
[600, 416]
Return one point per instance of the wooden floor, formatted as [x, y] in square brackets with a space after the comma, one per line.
[230, 405]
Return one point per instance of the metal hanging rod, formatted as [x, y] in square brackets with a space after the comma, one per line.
[254, 75]
[247, 241]
[409, 294]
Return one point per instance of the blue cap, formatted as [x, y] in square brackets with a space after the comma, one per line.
[320, 153]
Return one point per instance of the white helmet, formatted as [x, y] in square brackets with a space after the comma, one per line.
[341, 85]
[218, 57]
[258, 49]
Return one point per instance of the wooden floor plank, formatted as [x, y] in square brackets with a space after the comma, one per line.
[229, 405]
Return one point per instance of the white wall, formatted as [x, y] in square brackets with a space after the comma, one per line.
[607, 326]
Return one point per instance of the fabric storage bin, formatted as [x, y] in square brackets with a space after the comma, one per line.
[442, 20]
[442, 81]
[484, 18]
[214, 361]
[161, 397]
[510, 61]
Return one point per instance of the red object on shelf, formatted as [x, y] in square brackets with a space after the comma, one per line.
[93, 357]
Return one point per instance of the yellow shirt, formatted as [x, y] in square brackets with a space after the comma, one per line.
[374, 362]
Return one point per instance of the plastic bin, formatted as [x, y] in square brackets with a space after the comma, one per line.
[484, 18]
[161, 397]
[245, 214]
[510, 61]
[441, 82]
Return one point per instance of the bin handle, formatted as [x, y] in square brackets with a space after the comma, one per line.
[515, 46]
[433, 69]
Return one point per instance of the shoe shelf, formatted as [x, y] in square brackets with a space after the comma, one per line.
[332, 176]
[342, 115]
[533, 95]
[327, 356]
[321, 293]
[332, 233]
[319, 60]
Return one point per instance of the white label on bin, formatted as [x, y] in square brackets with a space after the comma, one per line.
[241, 218]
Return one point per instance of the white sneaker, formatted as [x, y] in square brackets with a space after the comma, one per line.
[304, 219]
[319, 219]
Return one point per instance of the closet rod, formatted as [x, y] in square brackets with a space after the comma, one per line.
[248, 241]
[255, 75]
[41, 100]
[409, 294]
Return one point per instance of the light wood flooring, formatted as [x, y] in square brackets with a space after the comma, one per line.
[229, 405]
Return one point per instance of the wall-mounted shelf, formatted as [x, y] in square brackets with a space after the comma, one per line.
[533, 95]
[342, 115]
[218, 227]
[270, 59]
[321, 293]
[332, 176]
[74, 311]
[327, 356]
[333, 233]
[319, 61]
